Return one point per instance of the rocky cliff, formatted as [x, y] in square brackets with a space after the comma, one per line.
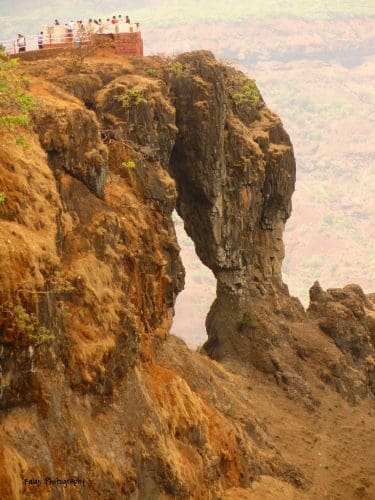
[92, 385]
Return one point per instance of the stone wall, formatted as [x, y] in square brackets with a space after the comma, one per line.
[129, 44]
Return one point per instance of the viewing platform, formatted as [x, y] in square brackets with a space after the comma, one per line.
[125, 38]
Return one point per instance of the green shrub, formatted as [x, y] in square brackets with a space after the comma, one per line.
[244, 91]
[151, 72]
[61, 284]
[177, 69]
[128, 164]
[247, 322]
[28, 324]
[132, 97]
[16, 103]
[2, 198]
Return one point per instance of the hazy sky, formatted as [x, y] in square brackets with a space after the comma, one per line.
[27, 16]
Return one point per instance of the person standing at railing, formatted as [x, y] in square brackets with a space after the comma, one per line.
[89, 30]
[78, 35]
[96, 26]
[40, 40]
[115, 22]
[81, 29]
[21, 43]
[90, 27]
[123, 24]
[100, 26]
[69, 31]
[107, 26]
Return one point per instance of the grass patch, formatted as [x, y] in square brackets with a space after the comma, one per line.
[151, 72]
[21, 141]
[178, 69]
[128, 164]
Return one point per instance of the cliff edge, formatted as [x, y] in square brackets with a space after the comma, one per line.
[91, 384]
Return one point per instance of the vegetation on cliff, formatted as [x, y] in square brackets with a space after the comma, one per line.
[16, 103]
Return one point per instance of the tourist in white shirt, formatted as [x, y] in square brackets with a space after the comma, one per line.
[40, 40]
[21, 43]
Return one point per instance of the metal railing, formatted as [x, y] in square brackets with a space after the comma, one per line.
[70, 38]
[35, 43]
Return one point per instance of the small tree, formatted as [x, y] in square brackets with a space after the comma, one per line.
[81, 48]
[84, 45]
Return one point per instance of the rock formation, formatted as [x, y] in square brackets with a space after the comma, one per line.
[92, 386]
[235, 173]
[347, 315]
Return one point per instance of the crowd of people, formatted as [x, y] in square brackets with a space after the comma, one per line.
[76, 31]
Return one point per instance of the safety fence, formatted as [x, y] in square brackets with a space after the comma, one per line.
[58, 38]
[31, 43]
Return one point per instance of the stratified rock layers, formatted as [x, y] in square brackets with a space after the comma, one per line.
[235, 172]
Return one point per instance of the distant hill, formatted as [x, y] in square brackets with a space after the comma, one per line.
[162, 13]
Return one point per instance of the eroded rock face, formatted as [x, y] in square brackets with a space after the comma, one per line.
[139, 111]
[104, 281]
[235, 172]
[234, 168]
[95, 258]
[101, 273]
[70, 135]
[347, 315]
